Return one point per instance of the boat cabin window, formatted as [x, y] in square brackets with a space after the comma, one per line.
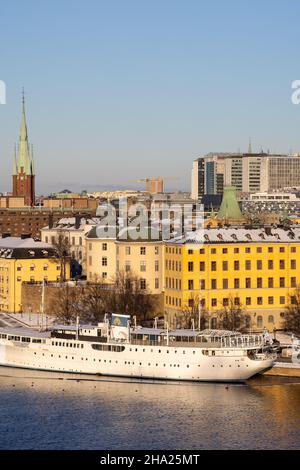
[25, 340]
[36, 340]
[13, 338]
[3, 336]
[108, 347]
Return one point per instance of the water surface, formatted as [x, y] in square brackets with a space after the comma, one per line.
[41, 410]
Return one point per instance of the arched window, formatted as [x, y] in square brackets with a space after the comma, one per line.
[248, 321]
[271, 319]
[214, 323]
[259, 321]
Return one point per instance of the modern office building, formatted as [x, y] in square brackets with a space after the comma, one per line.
[247, 172]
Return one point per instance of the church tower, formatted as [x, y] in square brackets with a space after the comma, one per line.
[23, 165]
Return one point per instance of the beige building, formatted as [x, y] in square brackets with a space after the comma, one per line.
[142, 257]
[74, 229]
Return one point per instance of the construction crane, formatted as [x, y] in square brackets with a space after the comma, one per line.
[156, 184]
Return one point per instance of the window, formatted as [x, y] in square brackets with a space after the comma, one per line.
[270, 282]
[237, 283]
[202, 266]
[281, 264]
[156, 250]
[190, 266]
[190, 284]
[259, 321]
[271, 319]
[248, 283]
[282, 281]
[293, 249]
[225, 283]
[248, 300]
[156, 265]
[270, 249]
[214, 283]
[225, 302]
[202, 284]
[270, 264]
[104, 275]
[104, 246]
[293, 264]
[202, 251]
[259, 282]
[213, 251]
[259, 300]
[282, 300]
[190, 252]
[225, 265]
[270, 300]
[281, 249]
[236, 250]
[104, 261]
[143, 266]
[224, 250]
[143, 250]
[293, 282]
[127, 250]
[247, 250]
[143, 283]
[213, 302]
[259, 249]
[237, 301]
[236, 265]
[127, 266]
[213, 265]
[191, 302]
[247, 264]
[259, 264]
[156, 283]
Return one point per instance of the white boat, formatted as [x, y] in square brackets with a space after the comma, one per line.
[115, 348]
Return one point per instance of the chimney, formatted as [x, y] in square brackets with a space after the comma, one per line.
[77, 221]
[51, 221]
[268, 230]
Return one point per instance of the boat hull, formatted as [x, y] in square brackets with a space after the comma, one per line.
[166, 363]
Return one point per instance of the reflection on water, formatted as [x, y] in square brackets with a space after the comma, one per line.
[41, 410]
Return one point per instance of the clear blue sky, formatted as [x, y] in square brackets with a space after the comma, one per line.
[123, 89]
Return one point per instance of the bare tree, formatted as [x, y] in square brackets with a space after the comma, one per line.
[68, 303]
[62, 246]
[232, 315]
[190, 314]
[292, 312]
[130, 297]
[96, 300]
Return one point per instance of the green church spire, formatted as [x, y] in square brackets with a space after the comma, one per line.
[230, 209]
[24, 159]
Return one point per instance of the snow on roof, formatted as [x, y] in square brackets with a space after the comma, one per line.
[17, 242]
[240, 235]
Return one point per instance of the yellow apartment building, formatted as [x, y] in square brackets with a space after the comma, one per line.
[256, 269]
[141, 257]
[24, 260]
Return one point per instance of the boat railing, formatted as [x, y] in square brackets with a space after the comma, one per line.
[243, 341]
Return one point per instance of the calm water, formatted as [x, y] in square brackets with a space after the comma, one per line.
[41, 410]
